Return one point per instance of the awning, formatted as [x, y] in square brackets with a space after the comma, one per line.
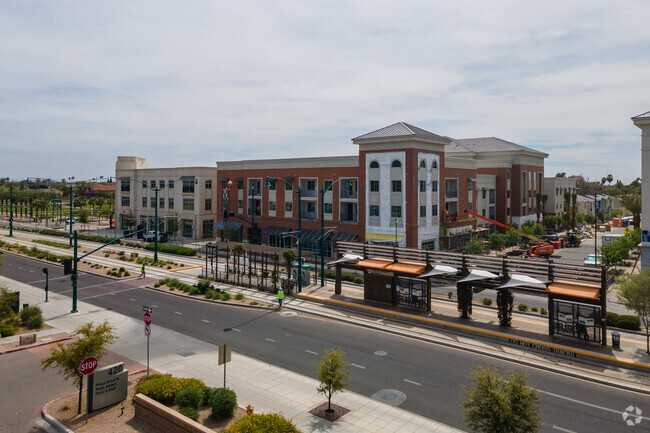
[407, 267]
[517, 280]
[440, 270]
[477, 275]
[187, 177]
[574, 290]
[223, 179]
[221, 225]
[275, 230]
[347, 258]
[310, 235]
[383, 236]
[344, 237]
[375, 263]
[471, 179]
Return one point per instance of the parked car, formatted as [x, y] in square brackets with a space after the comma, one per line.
[151, 235]
[593, 260]
[74, 221]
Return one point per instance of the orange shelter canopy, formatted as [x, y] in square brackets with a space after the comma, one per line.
[574, 290]
[412, 268]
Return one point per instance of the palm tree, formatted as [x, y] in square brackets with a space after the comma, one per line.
[610, 178]
[632, 202]
[41, 205]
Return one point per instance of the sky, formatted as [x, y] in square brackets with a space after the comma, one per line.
[189, 83]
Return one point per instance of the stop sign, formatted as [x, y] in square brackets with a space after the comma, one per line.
[147, 319]
[88, 365]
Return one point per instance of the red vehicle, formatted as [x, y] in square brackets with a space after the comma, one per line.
[540, 248]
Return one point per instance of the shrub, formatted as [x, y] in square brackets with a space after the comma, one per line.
[190, 412]
[486, 301]
[162, 388]
[357, 279]
[32, 317]
[172, 249]
[533, 309]
[223, 403]
[225, 296]
[522, 307]
[239, 296]
[189, 397]
[209, 294]
[194, 291]
[543, 311]
[208, 392]
[268, 422]
[628, 322]
[203, 286]
[450, 294]
[7, 329]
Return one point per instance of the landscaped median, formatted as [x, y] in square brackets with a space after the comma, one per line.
[204, 289]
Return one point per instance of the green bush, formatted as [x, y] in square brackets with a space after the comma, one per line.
[533, 309]
[194, 291]
[172, 249]
[163, 388]
[267, 422]
[223, 403]
[239, 296]
[32, 317]
[208, 392]
[203, 286]
[628, 322]
[190, 412]
[486, 301]
[209, 294]
[189, 397]
[543, 311]
[225, 296]
[7, 329]
[522, 307]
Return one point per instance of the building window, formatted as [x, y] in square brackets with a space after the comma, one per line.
[396, 164]
[170, 203]
[208, 204]
[423, 164]
[434, 186]
[508, 176]
[507, 194]
[288, 206]
[470, 185]
[396, 211]
[240, 204]
[327, 185]
[188, 204]
[311, 185]
[240, 183]
[423, 211]
[470, 206]
[144, 202]
[125, 186]
[288, 185]
[272, 206]
[161, 203]
[208, 228]
[483, 193]
[434, 210]
[126, 201]
[153, 184]
[397, 186]
[374, 210]
[374, 186]
[208, 184]
[162, 184]
[271, 185]
[187, 227]
[434, 164]
[423, 186]
[374, 164]
[171, 184]
[188, 186]
[153, 202]
[328, 208]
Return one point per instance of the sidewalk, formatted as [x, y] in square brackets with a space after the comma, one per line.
[268, 388]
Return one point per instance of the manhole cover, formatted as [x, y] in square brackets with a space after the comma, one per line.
[390, 396]
[184, 352]
[381, 353]
[288, 313]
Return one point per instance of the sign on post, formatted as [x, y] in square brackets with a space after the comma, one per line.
[147, 309]
[147, 331]
[88, 365]
[224, 358]
[147, 319]
[107, 386]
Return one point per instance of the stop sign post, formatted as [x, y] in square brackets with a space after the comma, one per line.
[88, 365]
[147, 319]
[147, 329]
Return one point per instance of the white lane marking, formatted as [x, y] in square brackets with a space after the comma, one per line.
[154, 306]
[312, 352]
[358, 366]
[414, 383]
[563, 429]
[112, 294]
[206, 321]
[178, 312]
[237, 330]
[269, 339]
[131, 299]
[585, 403]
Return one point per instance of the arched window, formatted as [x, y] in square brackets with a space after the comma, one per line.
[374, 164]
[396, 164]
[423, 164]
[435, 164]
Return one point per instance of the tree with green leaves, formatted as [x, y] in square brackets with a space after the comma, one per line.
[632, 202]
[614, 253]
[90, 341]
[238, 251]
[290, 258]
[634, 293]
[475, 246]
[512, 238]
[497, 240]
[332, 373]
[501, 404]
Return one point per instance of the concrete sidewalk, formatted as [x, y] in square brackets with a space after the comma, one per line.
[267, 387]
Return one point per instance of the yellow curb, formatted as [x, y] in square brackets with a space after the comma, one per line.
[480, 331]
[185, 268]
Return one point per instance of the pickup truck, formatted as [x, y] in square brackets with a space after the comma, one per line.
[151, 235]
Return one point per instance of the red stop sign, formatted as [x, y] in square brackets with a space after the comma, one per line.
[88, 365]
[147, 319]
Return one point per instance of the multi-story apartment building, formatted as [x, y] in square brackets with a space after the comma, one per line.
[405, 185]
[555, 188]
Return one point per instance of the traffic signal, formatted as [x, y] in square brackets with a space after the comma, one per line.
[67, 266]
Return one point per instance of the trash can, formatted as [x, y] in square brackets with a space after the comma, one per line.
[616, 340]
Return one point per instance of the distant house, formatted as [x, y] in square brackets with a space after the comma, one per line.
[96, 190]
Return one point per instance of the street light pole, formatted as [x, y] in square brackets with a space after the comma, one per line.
[396, 231]
[11, 211]
[71, 218]
[155, 238]
[74, 275]
[253, 209]
[595, 231]
[323, 191]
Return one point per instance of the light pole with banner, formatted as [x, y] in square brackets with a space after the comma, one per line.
[11, 211]
[323, 191]
[299, 192]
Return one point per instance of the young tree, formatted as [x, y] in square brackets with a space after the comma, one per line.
[289, 257]
[632, 202]
[332, 372]
[497, 240]
[91, 341]
[475, 246]
[503, 404]
[512, 238]
[634, 293]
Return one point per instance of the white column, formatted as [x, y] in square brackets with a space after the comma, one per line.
[643, 122]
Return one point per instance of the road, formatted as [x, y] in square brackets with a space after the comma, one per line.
[431, 377]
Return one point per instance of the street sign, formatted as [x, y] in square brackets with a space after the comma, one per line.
[57, 201]
[88, 365]
[147, 331]
[147, 319]
[147, 309]
[224, 353]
